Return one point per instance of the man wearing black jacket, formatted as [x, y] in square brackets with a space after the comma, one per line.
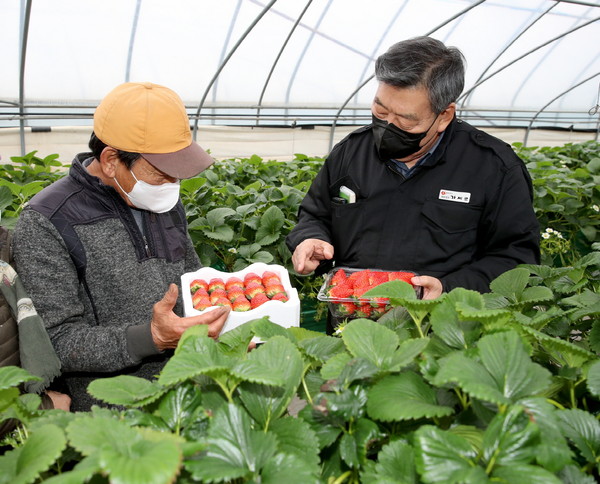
[419, 189]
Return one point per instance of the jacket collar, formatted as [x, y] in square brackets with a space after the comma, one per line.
[439, 154]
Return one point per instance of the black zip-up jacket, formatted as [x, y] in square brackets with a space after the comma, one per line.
[465, 216]
[96, 295]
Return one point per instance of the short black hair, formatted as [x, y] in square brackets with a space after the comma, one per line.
[427, 62]
[97, 145]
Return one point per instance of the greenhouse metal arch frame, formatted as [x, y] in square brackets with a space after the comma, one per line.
[306, 24]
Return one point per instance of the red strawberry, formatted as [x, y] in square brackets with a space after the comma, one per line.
[222, 301]
[251, 284]
[234, 282]
[273, 289]
[379, 302]
[358, 291]
[346, 308]
[235, 293]
[241, 304]
[379, 311]
[401, 276]
[364, 311]
[280, 296]
[258, 299]
[199, 294]
[197, 284]
[252, 291]
[202, 303]
[217, 294]
[339, 277]
[270, 278]
[252, 277]
[378, 277]
[359, 278]
[341, 291]
[216, 283]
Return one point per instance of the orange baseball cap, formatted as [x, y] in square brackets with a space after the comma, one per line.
[146, 118]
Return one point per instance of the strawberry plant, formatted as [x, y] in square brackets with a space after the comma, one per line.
[22, 179]
[566, 181]
[488, 388]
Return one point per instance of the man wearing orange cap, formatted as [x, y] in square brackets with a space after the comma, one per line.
[101, 251]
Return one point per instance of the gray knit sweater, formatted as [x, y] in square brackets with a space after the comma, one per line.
[104, 330]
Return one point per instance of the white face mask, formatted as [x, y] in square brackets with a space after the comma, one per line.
[155, 198]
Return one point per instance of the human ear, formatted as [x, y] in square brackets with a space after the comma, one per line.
[446, 116]
[109, 160]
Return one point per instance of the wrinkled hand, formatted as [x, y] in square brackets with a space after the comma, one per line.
[309, 253]
[166, 327]
[60, 401]
[432, 287]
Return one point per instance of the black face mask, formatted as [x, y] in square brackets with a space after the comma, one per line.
[394, 143]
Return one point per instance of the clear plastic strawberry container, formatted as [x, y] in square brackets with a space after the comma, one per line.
[344, 294]
[285, 312]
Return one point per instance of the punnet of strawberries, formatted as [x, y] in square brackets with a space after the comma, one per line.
[240, 294]
[344, 289]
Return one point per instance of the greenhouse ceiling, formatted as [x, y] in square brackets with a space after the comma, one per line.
[530, 63]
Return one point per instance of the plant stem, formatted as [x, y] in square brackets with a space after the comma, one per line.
[555, 403]
[308, 395]
[342, 478]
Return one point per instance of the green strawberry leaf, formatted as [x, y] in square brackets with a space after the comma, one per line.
[367, 339]
[125, 390]
[553, 451]
[511, 283]
[216, 216]
[564, 351]
[13, 376]
[418, 399]
[583, 429]
[458, 333]
[442, 456]
[407, 352]
[321, 348]
[235, 451]
[524, 474]
[278, 360]
[353, 446]
[265, 329]
[510, 439]
[399, 290]
[24, 464]
[197, 355]
[503, 374]
[593, 378]
[295, 437]
[287, 468]
[395, 464]
[355, 369]
[332, 369]
[269, 229]
[126, 454]
[178, 405]
[224, 233]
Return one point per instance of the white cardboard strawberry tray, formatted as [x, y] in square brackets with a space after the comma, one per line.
[286, 314]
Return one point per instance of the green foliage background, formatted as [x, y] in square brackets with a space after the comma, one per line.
[501, 387]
